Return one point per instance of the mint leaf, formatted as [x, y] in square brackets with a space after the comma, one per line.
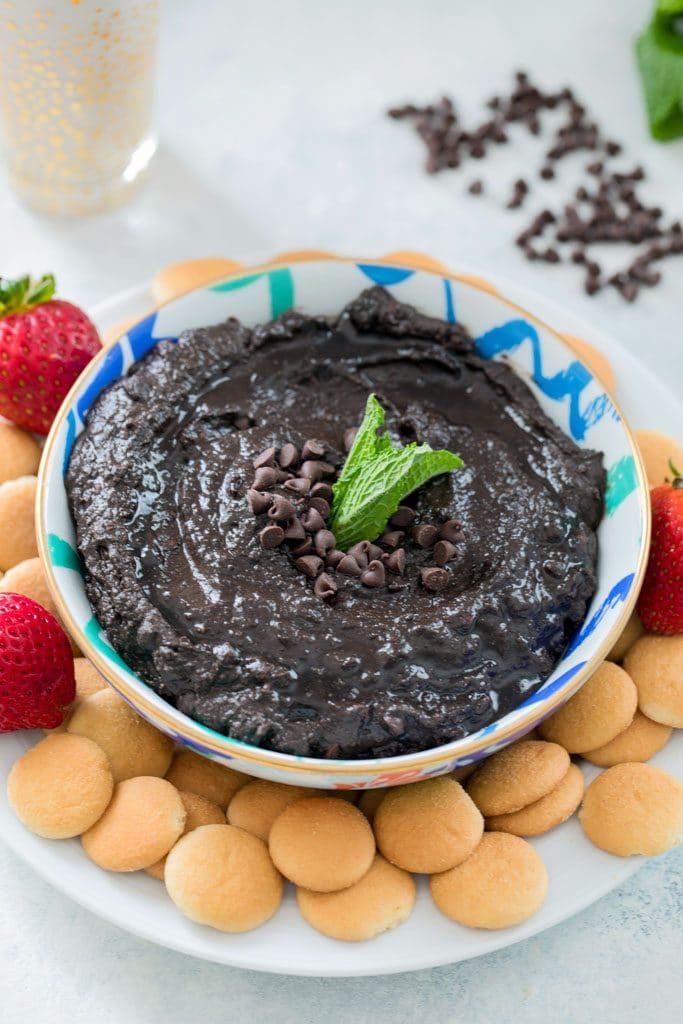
[659, 51]
[376, 477]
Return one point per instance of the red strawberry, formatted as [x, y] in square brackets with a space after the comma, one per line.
[660, 605]
[36, 666]
[44, 345]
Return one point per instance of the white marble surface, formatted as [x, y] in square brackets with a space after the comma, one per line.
[273, 138]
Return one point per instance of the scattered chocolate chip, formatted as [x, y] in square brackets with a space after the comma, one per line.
[547, 172]
[271, 536]
[444, 551]
[281, 510]
[348, 566]
[312, 470]
[320, 505]
[321, 490]
[425, 535]
[349, 438]
[258, 502]
[612, 148]
[452, 531]
[298, 485]
[313, 521]
[324, 542]
[434, 579]
[519, 192]
[289, 456]
[295, 531]
[476, 187]
[595, 168]
[309, 565]
[264, 478]
[266, 458]
[374, 575]
[395, 561]
[392, 538]
[325, 587]
[312, 449]
[402, 517]
[361, 552]
[304, 548]
[334, 557]
[374, 552]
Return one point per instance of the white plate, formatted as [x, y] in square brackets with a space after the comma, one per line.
[579, 873]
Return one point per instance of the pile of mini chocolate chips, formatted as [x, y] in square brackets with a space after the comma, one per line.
[291, 496]
[607, 209]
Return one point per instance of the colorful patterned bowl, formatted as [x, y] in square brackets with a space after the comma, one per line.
[323, 284]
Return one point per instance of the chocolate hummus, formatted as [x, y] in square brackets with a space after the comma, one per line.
[237, 636]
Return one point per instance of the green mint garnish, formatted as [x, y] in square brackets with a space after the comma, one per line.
[376, 477]
[659, 50]
[18, 295]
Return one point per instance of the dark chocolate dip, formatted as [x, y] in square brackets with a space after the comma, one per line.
[232, 634]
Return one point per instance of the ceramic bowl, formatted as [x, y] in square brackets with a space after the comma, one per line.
[563, 385]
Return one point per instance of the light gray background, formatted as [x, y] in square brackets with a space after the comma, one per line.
[272, 132]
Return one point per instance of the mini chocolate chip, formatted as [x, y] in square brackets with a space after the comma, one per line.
[392, 538]
[312, 470]
[613, 148]
[271, 536]
[321, 506]
[374, 552]
[348, 566]
[312, 449]
[595, 168]
[313, 521]
[324, 542]
[309, 565]
[395, 561]
[547, 172]
[295, 531]
[258, 502]
[476, 187]
[266, 458]
[374, 575]
[402, 517]
[444, 551]
[281, 509]
[425, 535]
[327, 468]
[452, 530]
[361, 552]
[325, 587]
[334, 557]
[298, 485]
[264, 478]
[321, 490]
[289, 456]
[305, 548]
[434, 579]
[349, 438]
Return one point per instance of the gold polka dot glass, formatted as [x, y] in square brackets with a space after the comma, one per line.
[76, 100]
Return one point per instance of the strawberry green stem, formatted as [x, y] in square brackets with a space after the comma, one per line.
[18, 295]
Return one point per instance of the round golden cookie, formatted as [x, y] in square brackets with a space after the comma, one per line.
[178, 278]
[255, 806]
[427, 826]
[145, 818]
[503, 883]
[599, 711]
[517, 776]
[28, 578]
[633, 630]
[88, 679]
[633, 808]
[548, 812]
[321, 843]
[639, 742]
[381, 900]
[370, 801]
[655, 663]
[657, 449]
[223, 877]
[133, 746]
[199, 812]
[61, 787]
[19, 453]
[195, 774]
[17, 530]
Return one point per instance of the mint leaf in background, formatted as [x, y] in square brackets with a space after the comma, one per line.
[659, 51]
[376, 477]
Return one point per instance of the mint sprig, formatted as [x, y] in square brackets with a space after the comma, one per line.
[377, 476]
[659, 50]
